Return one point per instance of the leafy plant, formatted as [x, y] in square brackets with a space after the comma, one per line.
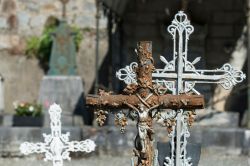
[27, 109]
[32, 46]
[40, 47]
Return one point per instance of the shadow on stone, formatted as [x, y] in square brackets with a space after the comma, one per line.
[83, 111]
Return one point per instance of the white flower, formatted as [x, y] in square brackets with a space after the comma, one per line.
[15, 104]
[31, 108]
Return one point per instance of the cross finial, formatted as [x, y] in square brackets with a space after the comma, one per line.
[64, 3]
[57, 146]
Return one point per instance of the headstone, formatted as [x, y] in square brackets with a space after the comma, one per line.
[66, 90]
[62, 85]
[63, 55]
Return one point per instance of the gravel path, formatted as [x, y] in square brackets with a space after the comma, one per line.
[208, 158]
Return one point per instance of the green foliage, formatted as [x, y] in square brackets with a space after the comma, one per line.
[32, 47]
[28, 109]
[40, 47]
[78, 36]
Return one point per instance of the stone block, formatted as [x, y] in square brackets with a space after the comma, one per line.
[224, 137]
[20, 134]
[23, 20]
[7, 120]
[3, 23]
[246, 142]
[12, 137]
[37, 22]
[67, 91]
[219, 119]
[195, 134]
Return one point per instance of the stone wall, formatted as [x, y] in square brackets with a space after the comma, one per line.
[20, 19]
[22, 78]
[110, 141]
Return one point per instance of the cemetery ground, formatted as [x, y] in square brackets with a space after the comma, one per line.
[209, 157]
[221, 145]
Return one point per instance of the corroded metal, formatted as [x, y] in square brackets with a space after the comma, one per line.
[179, 76]
[142, 98]
[162, 101]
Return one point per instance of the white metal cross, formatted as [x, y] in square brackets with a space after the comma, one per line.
[57, 146]
[180, 76]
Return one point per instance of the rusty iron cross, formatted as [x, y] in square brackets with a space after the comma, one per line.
[142, 99]
[179, 76]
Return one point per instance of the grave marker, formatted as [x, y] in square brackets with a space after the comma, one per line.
[63, 54]
[180, 76]
[62, 84]
[142, 99]
[56, 145]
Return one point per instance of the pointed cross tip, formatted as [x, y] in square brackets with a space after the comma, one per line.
[55, 107]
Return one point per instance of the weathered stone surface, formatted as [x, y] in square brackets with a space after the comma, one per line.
[7, 120]
[214, 157]
[222, 137]
[32, 15]
[63, 53]
[67, 91]
[22, 77]
[3, 23]
[217, 119]
[86, 59]
[110, 141]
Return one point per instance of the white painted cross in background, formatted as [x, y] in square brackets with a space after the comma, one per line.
[180, 76]
[57, 146]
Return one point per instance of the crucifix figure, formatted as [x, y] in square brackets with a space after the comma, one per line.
[142, 98]
[57, 146]
[179, 76]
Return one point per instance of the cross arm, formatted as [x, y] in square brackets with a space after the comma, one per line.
[82, 146]
[29, 148]
[164, 101]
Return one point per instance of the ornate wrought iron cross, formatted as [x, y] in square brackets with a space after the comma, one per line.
[142, 98]
[57, 146]
[180, 76]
